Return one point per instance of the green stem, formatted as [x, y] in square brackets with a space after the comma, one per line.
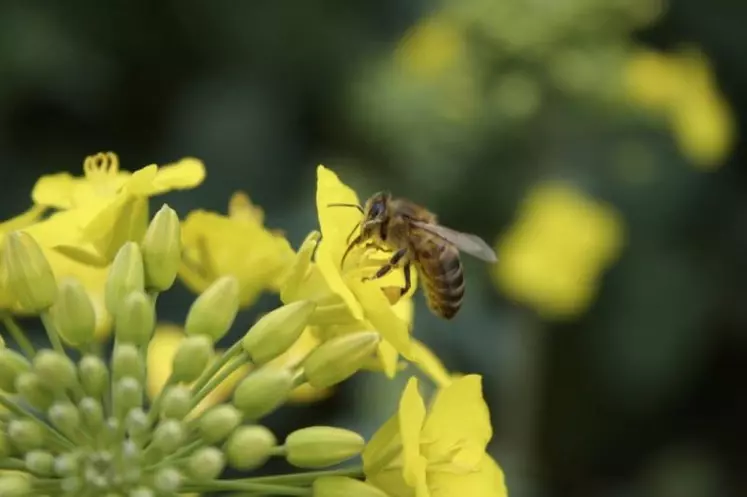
[217, 380]
[19, 336]
[205, 377]
[155, 406]
[184, 451]
[54, 338]
[56, 436]
[217, 485]
[297, 478]
[10, 463]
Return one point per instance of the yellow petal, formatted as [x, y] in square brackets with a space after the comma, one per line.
[297, 275]
[330, 270]
[383, 449]
[378, 311]
[336, 223]
[240, 207]
[446, 435]
[184, 174]
[122, 220]
[486, 481]
[411, 415]
[222, 391]
[161, 352]
[388, 358]
[22, 220]
[430, 364]
[141, 181]
[55, 190]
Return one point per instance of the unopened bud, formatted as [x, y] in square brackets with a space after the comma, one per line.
[25, 435]
[135, 320]
[137, 423]
[94, 375]
[167, 480]
[263, 391]
[342, 486]
[168, 436]
[11, 365]
[28, 274]
[321, 446]
[249, 447]
[176, 402]
[125, 276]
[40, 462]
[15, 485]
[67, 463]
[217, 423]
[128, 393]
[55, 370]
[276, 331]
[73, 313]
[65, 417]
[162, 250]
[92, 414]
[33, 390]
[206, 463]
[339, 358]
[127, 361]
[192, 357]
[214, 310]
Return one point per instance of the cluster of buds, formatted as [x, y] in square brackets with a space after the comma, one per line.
[76, 421]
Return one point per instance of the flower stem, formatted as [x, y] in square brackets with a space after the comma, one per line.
[217, 380]
[297, 478]
[229, 354]
[54, 338]
[262, 488]
[56, 437]
[19, 336]
[10, 463]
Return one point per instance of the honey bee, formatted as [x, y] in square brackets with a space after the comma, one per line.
[415, 238]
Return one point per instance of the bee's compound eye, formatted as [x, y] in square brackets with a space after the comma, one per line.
[376, 209]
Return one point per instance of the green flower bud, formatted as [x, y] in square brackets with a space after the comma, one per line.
[5, 448]
[137, 423]
[11, 365]
[206, 463]
[167, 480]
[213, 311]
[342, 486]
[249, 447]
[33, 391]
[128, 393]
[135, 320]
[217, 423]
[91, 414]
[29, 276]
[40, 462]
[176, 402]
[94, 375]
[321, 446]
[15, 485]
[65, 417]
[263, 391]
[67, 463]
[55, 370]
[169, 435]
[162, 249]
[127, 361]
[125, 276]
[73, 313]
[339, 358]
[25, 435]
[192, 358]
[276, 331]
[73, 484]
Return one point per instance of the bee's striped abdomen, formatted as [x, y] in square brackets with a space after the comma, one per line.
[443, 278]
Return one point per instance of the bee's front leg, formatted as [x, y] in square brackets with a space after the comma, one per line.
[386, 268]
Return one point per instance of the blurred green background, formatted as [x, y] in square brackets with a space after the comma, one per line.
[595, 143]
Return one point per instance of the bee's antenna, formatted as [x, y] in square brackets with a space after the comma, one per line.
[347, 205]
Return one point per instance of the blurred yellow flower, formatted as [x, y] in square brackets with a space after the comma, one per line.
[431, 47]
[238, 244]
[106, 207]
[553, 256]
[438, 452]
[682, 89]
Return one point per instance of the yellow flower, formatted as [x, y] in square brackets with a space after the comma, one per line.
[431, 47]
[107, 207]
[682, 89]
[438, 452]
[553, 256]
[238, 244]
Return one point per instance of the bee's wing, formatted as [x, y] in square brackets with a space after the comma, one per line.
[465, 242]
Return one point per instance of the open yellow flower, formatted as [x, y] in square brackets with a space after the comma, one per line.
[238, 244]
[436, 452]
[554, 255]
[106, 207]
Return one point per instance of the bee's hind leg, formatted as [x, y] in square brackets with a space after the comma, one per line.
[386, 268]
[408, 282]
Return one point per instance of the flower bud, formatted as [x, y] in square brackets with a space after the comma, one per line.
[92, 414]
[176, 402]
[214, 310]
[28, 274]
[25, 435]
[33, 391]
[162, 249]
[192, 357]
[15, 485]
[249, 447]
[65, 417]
[321, 446]
[339, 358]
[276, 331]
[263, 391]
[168, 436]
[137, 423]
[94, 375]
[206, 463]
[342, 486]
[167, 480]
[217, 423]
[135, 320]
[11, 365]
[127, 361]
[40, 462]
[55, 370]
[125, 276]
[128, 393]
[73, 313]
[67, 463]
